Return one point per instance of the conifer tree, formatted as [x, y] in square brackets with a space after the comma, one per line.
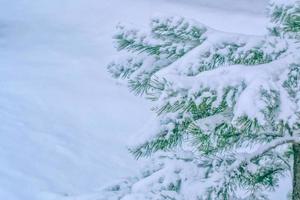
[228, 107]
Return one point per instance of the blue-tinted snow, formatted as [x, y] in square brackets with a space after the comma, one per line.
[64, 121]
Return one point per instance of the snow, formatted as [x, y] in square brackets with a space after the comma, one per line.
[64, 121]
[255, 77]
[285, 2]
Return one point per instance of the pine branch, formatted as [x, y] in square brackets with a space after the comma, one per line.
[262, 150]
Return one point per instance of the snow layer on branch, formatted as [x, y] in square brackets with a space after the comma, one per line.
[230, 47]
[255, 78]
[167, 174]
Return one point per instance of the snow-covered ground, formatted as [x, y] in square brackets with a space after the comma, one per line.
[64, 121]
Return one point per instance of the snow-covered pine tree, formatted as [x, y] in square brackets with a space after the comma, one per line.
[228, 107]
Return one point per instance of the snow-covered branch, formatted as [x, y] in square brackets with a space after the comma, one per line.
[247, 158]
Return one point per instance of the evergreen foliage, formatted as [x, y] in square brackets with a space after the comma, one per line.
[228, 105]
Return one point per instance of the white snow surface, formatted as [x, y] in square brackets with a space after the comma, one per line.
[64, 121]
